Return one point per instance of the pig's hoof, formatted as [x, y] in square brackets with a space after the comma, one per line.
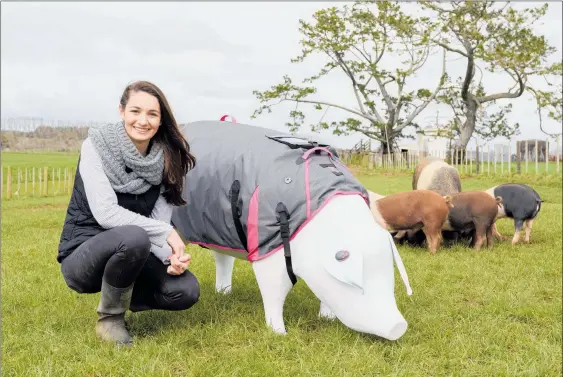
[327, 314]
[279, 331]
[223, 290]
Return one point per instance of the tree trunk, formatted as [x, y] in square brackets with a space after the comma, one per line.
[385, 147]
[466, 130]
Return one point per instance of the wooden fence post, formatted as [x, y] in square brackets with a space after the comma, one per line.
[19, 183]
[465, 160]
[557, 152]
[495, 158]
[68, 183]
[546, 155]
[9, 184]
[477, 159]
[518, 157]
[488, 159]
[45, 180]
[509, 157]
[40, 177]
[526, 156]
[537, 166]
[471, 163]
[502, 159]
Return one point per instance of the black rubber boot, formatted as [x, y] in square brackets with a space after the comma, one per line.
[114, 302]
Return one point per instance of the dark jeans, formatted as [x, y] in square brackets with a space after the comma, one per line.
[121, 256]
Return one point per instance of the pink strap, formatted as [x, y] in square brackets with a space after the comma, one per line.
[226, 116]
[308, 153]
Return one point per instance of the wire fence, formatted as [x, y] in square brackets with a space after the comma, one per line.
[30, 182]
[527, 158]
[36, 182]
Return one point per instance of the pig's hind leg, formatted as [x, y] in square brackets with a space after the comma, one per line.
[528, 227]
[490, 236]
[518, 225]
[433, 235]
[223, 272]
[480, 234]
[274, 283]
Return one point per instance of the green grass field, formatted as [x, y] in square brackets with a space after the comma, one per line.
[496, 312]
[24, 160]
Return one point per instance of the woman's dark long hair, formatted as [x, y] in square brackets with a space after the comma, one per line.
[177, 157]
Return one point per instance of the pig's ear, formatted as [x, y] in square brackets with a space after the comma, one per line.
[346, 266]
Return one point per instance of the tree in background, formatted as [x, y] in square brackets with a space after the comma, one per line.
[495, 37]
[357, 41]
[550, 101]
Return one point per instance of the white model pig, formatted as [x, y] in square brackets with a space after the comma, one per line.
[350, 269]
[294, 211]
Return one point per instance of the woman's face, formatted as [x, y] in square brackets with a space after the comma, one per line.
[141, 116]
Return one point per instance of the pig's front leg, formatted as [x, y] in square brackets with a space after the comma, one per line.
[274, 283]
[223, 272]
[325, 312]
[400, 234]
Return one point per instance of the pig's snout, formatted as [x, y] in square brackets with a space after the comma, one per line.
[392, 325]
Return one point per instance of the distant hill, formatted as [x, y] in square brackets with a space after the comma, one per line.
[58, 139]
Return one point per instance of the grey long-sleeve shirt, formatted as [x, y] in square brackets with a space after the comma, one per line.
[109, 214]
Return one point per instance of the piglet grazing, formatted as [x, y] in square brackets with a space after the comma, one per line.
[413, 210]
[521, 203]
[433, 173]
[474, 211]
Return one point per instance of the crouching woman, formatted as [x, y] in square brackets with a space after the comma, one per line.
[117, 238]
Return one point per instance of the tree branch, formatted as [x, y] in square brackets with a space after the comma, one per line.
[385, 36]
[386, 96]
[469, 73]
[368, 133]
[451, 48]
[350, 74]
[432, 97]
[539, 112]
[363, 115]
[508, 94]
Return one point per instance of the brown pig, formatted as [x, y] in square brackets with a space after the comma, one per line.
[413, 210]
[474, 211]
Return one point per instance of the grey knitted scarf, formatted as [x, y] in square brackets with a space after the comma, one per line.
[117, 151]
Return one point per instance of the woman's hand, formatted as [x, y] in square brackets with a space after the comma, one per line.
[176, 243]
[178, 260]
[178, 265]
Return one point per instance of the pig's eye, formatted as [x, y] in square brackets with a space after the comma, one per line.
[342, 255]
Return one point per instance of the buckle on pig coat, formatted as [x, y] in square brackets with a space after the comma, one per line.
[283, 215]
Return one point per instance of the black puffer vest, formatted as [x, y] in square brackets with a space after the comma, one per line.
[80, 224]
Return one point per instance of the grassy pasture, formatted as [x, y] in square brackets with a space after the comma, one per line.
[497, 312]
[24, 160]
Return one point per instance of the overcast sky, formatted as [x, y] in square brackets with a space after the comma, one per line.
[71, 61]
